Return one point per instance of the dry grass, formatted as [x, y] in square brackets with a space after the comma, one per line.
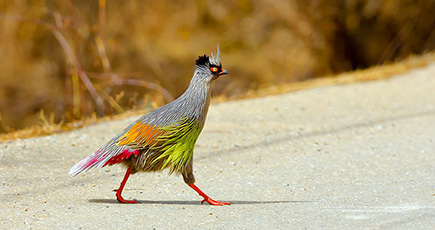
[370, 74]
[79, 61]
[50, 127]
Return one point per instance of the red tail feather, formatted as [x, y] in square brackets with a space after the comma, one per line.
[121, 157]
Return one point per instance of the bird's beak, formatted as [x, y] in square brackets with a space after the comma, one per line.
[223, 72]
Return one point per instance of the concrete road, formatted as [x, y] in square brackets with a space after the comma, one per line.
[357, 156]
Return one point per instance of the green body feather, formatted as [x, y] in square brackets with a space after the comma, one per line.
[177, 145]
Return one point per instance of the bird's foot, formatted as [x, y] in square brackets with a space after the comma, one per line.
[122, 200]
[213, 202]
[207, 198]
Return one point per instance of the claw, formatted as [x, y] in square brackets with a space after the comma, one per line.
[213, 202]
[121, 200]
[207, 198]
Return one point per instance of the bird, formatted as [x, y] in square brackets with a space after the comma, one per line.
[165, 137]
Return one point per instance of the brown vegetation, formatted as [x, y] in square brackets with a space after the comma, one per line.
[71, 60]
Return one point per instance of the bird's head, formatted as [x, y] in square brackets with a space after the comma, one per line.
[210, 68]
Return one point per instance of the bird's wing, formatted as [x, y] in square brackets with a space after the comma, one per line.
[134, 138]
[140, 136]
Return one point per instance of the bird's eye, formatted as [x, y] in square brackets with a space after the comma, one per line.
[214, 69]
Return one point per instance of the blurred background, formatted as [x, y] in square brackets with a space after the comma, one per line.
[64, 61]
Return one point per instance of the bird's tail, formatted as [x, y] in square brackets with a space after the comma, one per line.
[107, 155]
[87, 163]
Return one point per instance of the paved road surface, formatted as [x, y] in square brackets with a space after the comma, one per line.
[357, 156]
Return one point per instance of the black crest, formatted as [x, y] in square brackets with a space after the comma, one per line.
[202, 60]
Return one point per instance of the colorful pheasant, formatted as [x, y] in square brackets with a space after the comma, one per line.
[165, 137]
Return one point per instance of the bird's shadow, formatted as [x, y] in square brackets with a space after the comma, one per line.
[188, 202]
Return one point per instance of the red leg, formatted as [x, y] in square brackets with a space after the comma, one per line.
[207, 198]
[121, 187]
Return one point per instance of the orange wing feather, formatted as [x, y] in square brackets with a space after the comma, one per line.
[140, 135]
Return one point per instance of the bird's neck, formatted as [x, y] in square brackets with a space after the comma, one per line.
[196, 99]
